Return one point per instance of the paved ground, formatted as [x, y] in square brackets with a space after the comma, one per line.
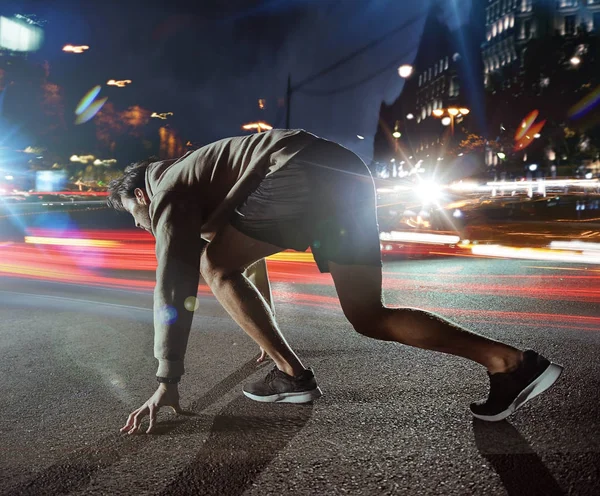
[76, 360]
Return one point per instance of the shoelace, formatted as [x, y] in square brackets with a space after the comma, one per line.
[271, 375]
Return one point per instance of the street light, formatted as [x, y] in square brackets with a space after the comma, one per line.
[259, 126]
[448, 115]
[410, 117]
[396, 134]
[405, 71]
[575, 60]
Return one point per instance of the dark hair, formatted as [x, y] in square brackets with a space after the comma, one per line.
[134, 176]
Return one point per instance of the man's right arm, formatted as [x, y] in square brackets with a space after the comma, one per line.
[176, 225]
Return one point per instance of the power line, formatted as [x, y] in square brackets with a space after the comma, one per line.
[356, 84]
[361, 50]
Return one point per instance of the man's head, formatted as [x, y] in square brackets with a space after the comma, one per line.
[128, 193]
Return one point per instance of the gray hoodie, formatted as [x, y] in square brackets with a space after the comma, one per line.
[191, 198]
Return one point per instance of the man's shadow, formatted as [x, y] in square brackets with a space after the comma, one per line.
[244, 439]
[519, 467]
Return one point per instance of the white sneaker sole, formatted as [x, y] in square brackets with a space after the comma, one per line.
[538, 386]
[300, 397]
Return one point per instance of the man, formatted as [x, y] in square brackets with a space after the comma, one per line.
[220, 209]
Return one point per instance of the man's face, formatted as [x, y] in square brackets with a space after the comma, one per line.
[139, 208]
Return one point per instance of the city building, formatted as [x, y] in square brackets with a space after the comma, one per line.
[445, 89]
[511, 24]
[539, 55]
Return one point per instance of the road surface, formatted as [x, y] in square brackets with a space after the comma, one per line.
[76, 358]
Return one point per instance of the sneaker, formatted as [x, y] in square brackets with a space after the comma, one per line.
[278, 387]
[511, 390]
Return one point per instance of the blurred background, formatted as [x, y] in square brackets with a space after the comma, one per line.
[479, 119]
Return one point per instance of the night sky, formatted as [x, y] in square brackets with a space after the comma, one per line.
[210, 63]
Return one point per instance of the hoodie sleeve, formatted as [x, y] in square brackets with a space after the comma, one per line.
[176, 226]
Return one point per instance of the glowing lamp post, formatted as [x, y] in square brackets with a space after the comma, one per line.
[448, 115]
[259, 126]
[405, 71]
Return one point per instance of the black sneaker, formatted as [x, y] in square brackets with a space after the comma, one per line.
[510, 391]
[278, 387]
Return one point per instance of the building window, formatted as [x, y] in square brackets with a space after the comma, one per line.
[500, 26]
[506, 22]
[527, 28]
[435, 70]
[570, 3]
[429, 75]
[526, 5]
[446, 63]
[494, 30]
[570, 22]
[512, 21]
[420, 79]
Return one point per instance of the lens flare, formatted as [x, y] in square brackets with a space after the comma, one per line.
[526, 140]
[91, 111]
[526, 124]
[586, 104]
[86, 101]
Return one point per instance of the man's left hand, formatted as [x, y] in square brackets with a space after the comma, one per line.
[165, 395]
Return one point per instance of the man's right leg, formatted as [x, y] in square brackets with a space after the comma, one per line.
[515, 377]
[360, 294]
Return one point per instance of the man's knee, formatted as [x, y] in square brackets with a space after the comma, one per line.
[367, 320]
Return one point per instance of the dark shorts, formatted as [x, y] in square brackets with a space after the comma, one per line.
[324, 198]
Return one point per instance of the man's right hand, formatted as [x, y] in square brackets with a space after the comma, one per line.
[165, 395]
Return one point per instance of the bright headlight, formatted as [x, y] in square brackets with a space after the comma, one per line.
[428, 192]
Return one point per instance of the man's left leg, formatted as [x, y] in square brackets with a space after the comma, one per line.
[258, 275]
[222, 266]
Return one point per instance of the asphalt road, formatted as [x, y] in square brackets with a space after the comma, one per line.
[75, 360]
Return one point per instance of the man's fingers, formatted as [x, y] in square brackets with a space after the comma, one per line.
[137, 418]
[153, 411]
[129, 422]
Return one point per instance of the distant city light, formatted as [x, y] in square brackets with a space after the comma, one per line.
[405, 70]
[575, 60]
[259, 126]
[446, 121]
[438, 112]
[537, 135]
[463, 111]
[460, 154]
[453, 111]
[75, 48]
[261, 103]
[84, 159]
[360, 137]
[501, 155]
[533, 167]
[410, 116]
[121, 83]
[396, 134]
[162, 115]
[18, 36]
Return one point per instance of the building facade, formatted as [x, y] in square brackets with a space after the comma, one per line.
[416, 131]
[511, 24]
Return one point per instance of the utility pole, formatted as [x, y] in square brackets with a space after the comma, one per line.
[288, 98]
[343, 61]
